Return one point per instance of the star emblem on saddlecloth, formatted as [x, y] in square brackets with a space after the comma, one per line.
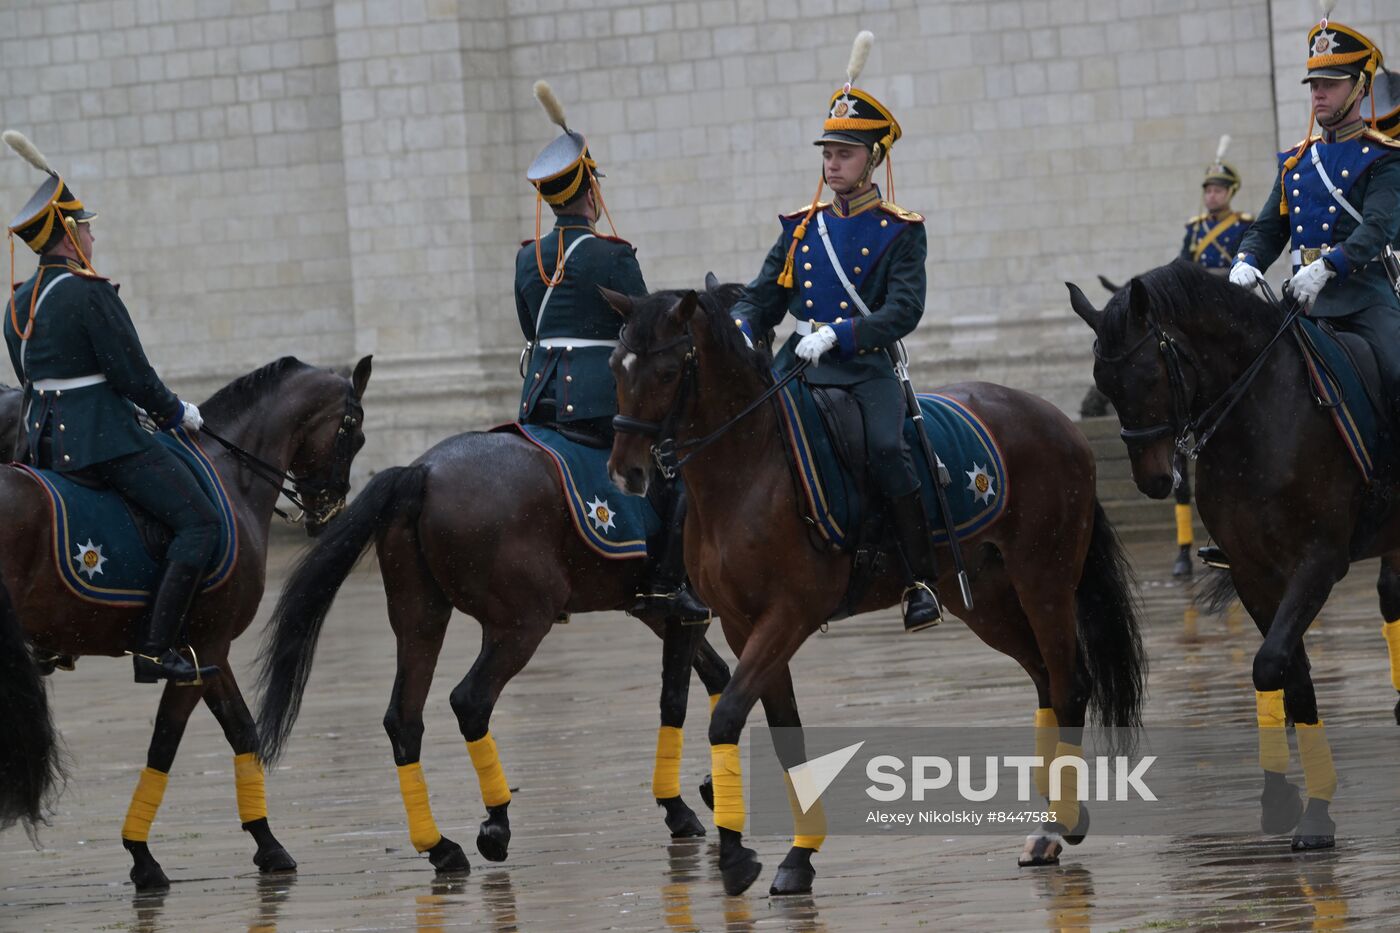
[600, 514]
[979, 483]
[89, 559]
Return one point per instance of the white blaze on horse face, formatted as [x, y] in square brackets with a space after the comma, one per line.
[629, 361]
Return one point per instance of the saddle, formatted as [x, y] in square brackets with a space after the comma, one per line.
[1345, 376]
[155, 538]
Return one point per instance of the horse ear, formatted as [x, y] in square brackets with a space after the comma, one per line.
[360, 377]
[1138, 302]
[1109, 284]
[1083, 307]
[711, 281]
[621, 303]
[685, 308]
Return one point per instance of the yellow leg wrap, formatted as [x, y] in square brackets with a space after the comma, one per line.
[145, 801]
[1047, 734]
[728, 777]
[494, 790]
[248, 781]
[666, 776]
[810, 827]
[714, 701]
[1066, 803]
[422, 828]
[1273, 739]
[1392, 643]
[1318, 772]
[1184, 533]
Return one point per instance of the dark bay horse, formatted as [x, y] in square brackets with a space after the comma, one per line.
[1050, 581]
[295, 418]
[478, 523]
[29, 755]
[1276, 488]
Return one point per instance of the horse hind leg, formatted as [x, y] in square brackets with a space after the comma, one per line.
[505, 650]
[714, 674]
[225, 701]
[1315, 829]
[419, 613]
[176, 704]
[1388, 587]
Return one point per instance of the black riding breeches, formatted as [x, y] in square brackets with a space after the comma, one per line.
[888, 457]
[159, 483]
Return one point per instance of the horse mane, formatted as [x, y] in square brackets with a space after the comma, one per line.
[248, 390]
[715, 305]
[1183, 294]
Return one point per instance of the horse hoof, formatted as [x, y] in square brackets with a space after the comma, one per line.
[707, 786]
[448, 858]
[148, 876]
[681, 820]
[492, 841]
[1280, 807]
[1081, 829]
[740, 871]
[1040, 849]
[274, 860]
[793, 880]
[1311, 842]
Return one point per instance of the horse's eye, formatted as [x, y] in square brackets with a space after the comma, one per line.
[667, 376]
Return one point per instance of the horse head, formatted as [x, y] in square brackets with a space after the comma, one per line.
[320, 465]
[1133, 366]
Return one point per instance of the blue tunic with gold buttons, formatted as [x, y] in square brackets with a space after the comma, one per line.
[1213, 240]
[568, 378]
[881, 249]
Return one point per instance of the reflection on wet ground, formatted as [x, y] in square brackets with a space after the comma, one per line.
[590, 850]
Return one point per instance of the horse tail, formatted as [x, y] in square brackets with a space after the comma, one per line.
[1109, 637]
[30, 770]
[284, 662]
[1216, 593]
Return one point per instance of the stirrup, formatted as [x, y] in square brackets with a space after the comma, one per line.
[906, 603]
[672, 605]
[1213, 556]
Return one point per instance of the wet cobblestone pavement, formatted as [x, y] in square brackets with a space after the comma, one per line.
[590, 852]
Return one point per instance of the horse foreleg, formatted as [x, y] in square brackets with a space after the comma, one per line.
[418, 613]
[504, 651]
[714, 674]
[225, 701]
[1315, 830]
[795, 873]
[176, 704]
[679, 642]
[1388, 586]
[762, 664]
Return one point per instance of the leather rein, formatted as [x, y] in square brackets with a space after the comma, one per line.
[666, 451]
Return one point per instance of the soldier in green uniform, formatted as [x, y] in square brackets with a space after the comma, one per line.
[1336, 204]
[75, 350]
[1211, 241]
[855, 289]
[570, 331]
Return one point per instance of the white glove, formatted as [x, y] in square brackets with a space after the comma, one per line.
[1244, 275]
[191, 420]
[1309, 281]
[811, 347]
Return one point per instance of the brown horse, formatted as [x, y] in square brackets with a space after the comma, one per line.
[1182, 353]
[294, 418]
[512, 561]
[1048, 577]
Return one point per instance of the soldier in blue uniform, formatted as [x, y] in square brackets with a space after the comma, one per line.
[1211, 240]
[1336, 206]
[571, 330]
[851, 272]
[75, 350]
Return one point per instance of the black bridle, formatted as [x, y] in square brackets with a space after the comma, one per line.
[1182, 426]
[666, 451]
[330, 491]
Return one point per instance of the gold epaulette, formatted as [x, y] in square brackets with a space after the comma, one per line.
[79, 270]
[1246, 218]
[802, 211]
[890, 207]
[1376, 135]
[1197, 219]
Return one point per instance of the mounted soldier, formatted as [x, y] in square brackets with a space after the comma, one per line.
[570, 331]
[1336, 204]
[855, 289]
[1211, 240]
[75, 350]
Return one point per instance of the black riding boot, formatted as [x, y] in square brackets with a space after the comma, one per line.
[921, 606]
[1213, 556]
[157, 657]
[666, 593]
